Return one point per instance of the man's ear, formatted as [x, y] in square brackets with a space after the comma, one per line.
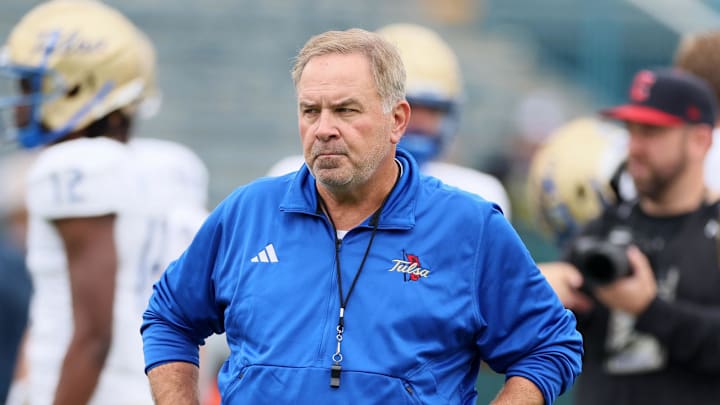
[401, 118]
[703, 138]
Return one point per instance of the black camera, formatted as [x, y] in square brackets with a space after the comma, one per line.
[602, 260]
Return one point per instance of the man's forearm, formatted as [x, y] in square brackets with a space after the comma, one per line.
[175, 383]
[519, 391]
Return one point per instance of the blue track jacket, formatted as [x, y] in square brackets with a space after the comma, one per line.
[447, 283]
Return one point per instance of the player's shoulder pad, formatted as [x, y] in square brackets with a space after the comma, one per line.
[473, 181]
[164, 149]
[79, 178]
[175, 174]
[87, 154]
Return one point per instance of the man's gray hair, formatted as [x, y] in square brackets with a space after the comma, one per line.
[385, 64]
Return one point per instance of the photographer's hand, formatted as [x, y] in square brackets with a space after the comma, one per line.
[566, 281]
[631, 294]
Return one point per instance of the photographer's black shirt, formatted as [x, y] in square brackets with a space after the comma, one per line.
[670, 354]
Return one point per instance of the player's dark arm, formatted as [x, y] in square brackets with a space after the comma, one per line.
[92, 263]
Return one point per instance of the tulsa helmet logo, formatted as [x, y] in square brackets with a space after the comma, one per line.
[410, 267]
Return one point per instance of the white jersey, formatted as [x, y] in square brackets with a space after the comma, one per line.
[178, 175]
[712, 163]
[464, 178]
[473, 181]
[85, 178]
[175, 186]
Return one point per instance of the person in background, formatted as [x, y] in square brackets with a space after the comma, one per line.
[106, 212]
[356, 278]
[434, 91]
[15, 291]
[647, 300]
[15, 283]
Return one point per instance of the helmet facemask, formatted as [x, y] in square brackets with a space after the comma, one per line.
[23, 91]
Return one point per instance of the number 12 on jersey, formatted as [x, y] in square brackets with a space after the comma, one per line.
[66, 186]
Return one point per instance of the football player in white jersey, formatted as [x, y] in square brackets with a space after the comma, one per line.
[434, 91]
[105, 215]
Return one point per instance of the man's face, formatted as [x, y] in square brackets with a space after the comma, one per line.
[657, 157]
[344, 131]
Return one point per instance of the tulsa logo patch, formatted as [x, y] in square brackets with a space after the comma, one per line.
[410, 267]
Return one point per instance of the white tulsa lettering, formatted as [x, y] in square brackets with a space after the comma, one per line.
[402, 266]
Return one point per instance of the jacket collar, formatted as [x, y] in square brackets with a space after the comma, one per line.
[399, 211]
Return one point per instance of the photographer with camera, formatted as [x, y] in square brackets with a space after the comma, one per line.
[643, 278]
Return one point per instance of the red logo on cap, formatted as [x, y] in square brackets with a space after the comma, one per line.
[640, 89]
[693, 113]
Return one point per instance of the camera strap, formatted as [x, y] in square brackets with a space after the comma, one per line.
[615, 181]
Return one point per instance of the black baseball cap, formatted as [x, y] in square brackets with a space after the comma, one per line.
[667, 97]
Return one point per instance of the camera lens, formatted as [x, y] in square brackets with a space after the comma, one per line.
[602, 260]
[600, 268]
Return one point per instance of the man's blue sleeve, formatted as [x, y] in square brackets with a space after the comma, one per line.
[526, 330]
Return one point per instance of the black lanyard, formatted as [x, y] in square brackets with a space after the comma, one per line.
[374, 222]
